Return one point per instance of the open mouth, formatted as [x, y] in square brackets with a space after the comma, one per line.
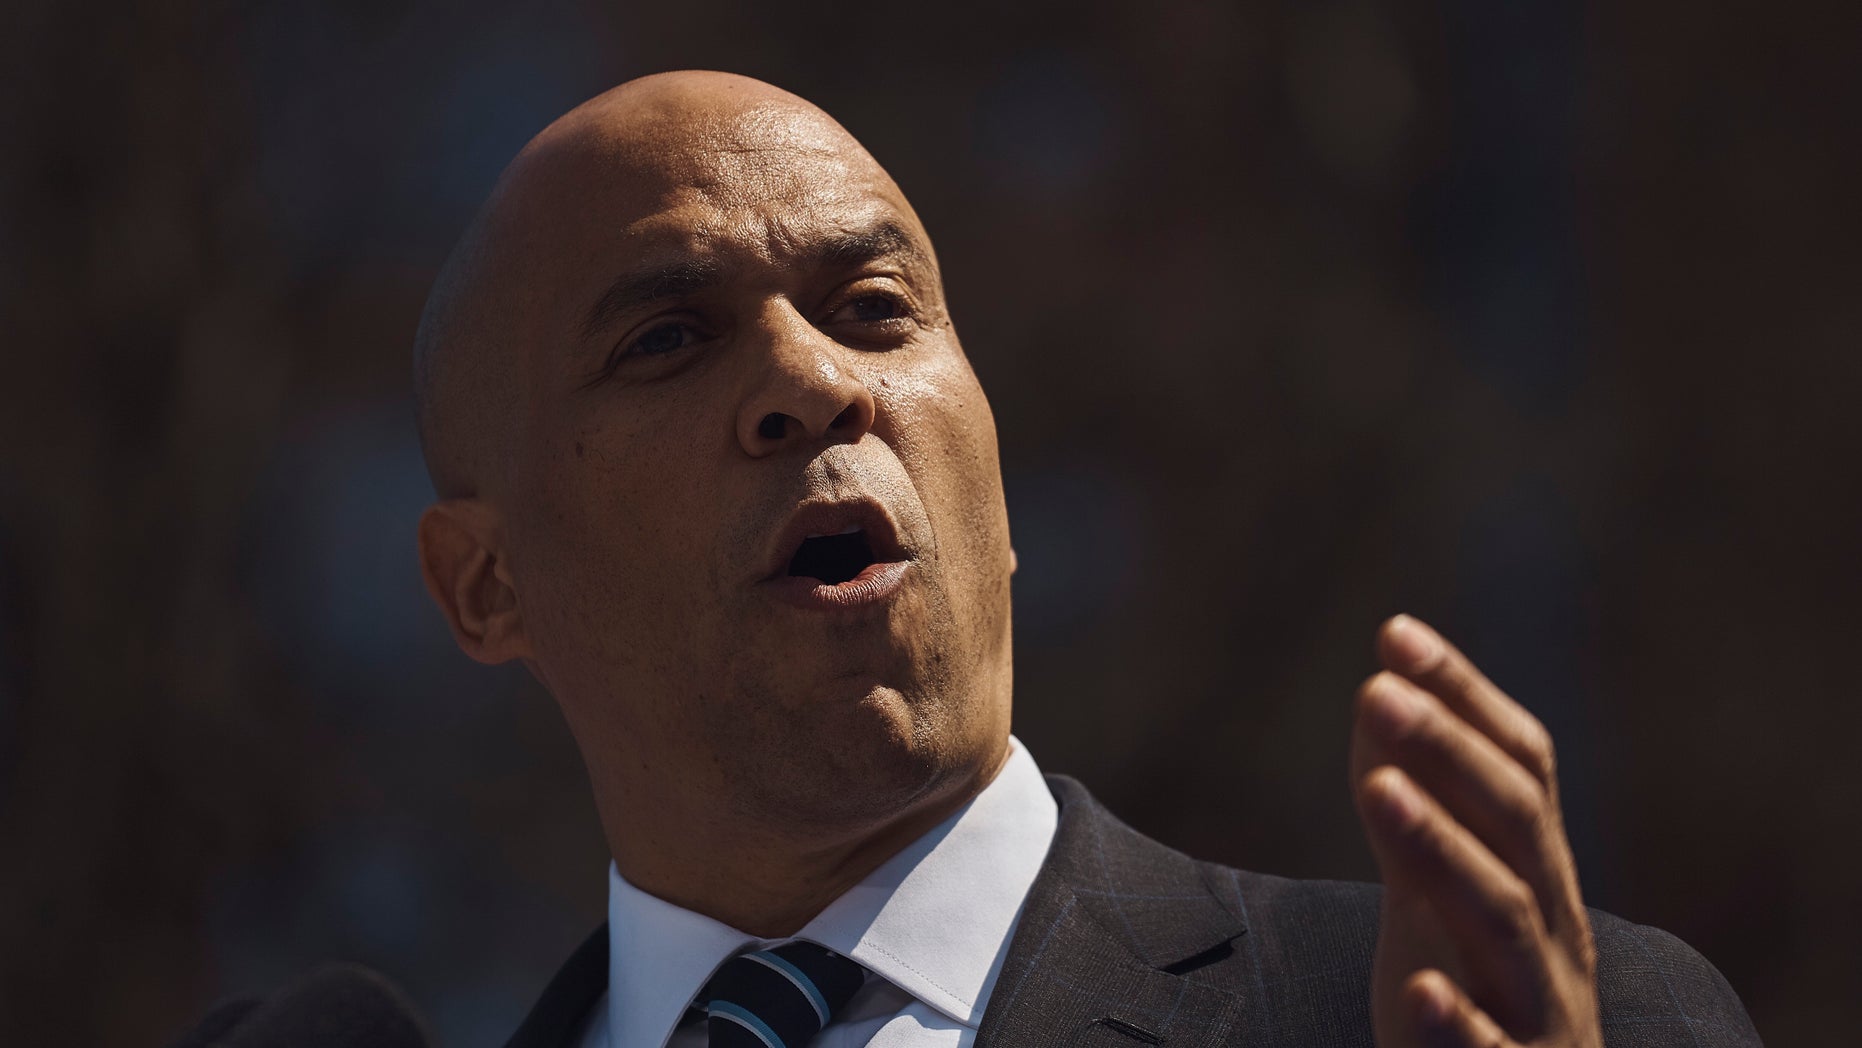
[833, 559]
[838, 556]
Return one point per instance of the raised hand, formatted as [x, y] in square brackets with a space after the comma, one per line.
[1484, 941]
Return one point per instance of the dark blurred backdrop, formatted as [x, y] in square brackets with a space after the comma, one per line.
[1537, 319]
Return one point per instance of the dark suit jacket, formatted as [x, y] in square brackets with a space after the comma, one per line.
[1125, 942]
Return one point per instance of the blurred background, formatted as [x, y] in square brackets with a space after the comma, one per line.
[1539, 320]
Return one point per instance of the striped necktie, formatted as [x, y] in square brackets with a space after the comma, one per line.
[777, 998]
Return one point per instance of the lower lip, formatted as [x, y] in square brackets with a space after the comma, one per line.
[875, 585]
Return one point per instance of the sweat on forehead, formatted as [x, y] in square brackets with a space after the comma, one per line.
[620, 157]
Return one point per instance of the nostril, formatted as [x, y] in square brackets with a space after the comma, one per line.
[846, 417]
[773, 426]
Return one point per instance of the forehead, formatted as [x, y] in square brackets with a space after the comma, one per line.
[746, 235]
[761, 179]
[737, 157]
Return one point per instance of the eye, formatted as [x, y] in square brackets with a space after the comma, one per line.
[874, 317]
[874, 313]
[871, 309]
[660, 339]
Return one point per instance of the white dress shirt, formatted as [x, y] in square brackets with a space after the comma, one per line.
[932, 925]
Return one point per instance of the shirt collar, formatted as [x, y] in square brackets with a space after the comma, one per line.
[934, 920]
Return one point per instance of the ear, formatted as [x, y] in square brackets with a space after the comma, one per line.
[462, 560]
[1014, 562]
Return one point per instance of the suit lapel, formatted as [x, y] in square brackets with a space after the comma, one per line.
[1111, 927]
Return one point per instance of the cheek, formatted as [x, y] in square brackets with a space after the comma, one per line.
[946, 436]
[610, 543]
[613, 486]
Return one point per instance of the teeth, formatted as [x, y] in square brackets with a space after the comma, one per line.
[851, 529]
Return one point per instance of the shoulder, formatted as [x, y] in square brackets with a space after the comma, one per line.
[1308, 929]
[1305, 947]
[1655, 989]
[1278, 921]
[1652, 988]
[1338, 910]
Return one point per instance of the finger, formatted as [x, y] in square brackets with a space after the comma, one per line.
[1480, 786]
[1488, 911]
[1413, 649]
[1409, 647]
[1444, 1017]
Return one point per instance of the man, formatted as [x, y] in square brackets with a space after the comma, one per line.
[712, 464]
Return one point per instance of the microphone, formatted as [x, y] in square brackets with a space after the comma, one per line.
[339, 1006]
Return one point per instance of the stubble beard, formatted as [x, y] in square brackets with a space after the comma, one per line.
[854, 749]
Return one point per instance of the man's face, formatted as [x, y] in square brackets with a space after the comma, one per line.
[755, 518]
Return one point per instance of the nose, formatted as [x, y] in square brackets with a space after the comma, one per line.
[804, 393]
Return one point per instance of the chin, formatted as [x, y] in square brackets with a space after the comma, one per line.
[861, 760]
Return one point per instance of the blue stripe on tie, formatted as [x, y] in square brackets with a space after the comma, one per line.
[799, 978]
[743, 1018]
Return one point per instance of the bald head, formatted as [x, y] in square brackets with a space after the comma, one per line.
[560, 204]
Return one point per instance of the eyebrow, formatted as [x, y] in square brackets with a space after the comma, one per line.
[888, 239]
[629, 293]
[844, 249]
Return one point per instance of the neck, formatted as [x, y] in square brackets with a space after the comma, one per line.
[771, 884]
